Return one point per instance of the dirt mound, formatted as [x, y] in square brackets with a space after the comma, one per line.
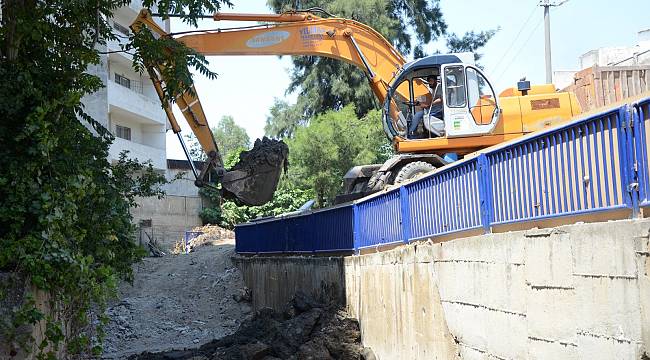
[306, 329]
[255, 177]
[265, 152]
[211, 235]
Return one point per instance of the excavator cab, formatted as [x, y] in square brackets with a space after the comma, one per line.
[459, 102]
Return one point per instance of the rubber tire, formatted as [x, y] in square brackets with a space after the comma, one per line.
[413, 170]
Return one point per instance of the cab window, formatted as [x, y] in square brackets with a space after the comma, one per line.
[455, 86]
[482, 103]
[399, 106]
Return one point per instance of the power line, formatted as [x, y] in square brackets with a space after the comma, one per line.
[512, 44]
[521, 48]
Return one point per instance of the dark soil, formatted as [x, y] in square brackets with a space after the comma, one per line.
[306, 329]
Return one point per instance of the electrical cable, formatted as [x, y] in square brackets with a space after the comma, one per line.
[521, 48]
[512, 44]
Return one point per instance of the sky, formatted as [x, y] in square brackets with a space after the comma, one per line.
[247, 85]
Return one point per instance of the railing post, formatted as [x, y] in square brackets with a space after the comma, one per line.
[356, 241]
[641, 152]
[405, 211]
[485, 191]
[627, 160]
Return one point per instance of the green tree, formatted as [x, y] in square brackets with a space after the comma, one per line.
[284, 119]
[230, 136]
[64, 216]
[327, 84]
[225, 213]
[322, 152]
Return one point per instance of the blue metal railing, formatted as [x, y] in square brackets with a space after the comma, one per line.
[595, 164]
[570, 170]
[445, 202]
[641, 125]
[324, 230]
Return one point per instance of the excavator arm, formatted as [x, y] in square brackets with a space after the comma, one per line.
[254, 179]
[290, 33]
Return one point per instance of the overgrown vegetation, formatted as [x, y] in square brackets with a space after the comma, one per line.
[64, 216]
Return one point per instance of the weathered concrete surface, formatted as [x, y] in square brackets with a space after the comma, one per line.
[16, 343]
[574, 292]
[395, 296]
[170, 217]
[274, 280]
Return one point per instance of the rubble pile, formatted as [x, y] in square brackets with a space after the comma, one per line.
[177, 302]
[211, 235]
[306, 329]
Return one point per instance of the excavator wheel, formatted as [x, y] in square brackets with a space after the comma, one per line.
[413, 170]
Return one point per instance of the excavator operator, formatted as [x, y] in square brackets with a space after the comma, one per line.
[430, 103]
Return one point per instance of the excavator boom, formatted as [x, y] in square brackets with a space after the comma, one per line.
[251, 181]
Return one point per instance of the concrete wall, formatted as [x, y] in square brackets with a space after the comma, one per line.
[577, 291]
[17, 291]
[274, 280]
[170, 217]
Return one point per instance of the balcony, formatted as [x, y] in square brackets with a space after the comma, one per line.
[131, 100]
[138, 151]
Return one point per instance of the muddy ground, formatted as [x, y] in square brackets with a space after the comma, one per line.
[195, 306]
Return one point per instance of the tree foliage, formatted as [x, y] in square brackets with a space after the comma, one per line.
[322, 152]
[227, 214]
[64, 217]
[230, 137]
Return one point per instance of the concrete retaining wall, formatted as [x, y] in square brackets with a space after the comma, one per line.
[274, 280]
[576, 291]
[170, 217]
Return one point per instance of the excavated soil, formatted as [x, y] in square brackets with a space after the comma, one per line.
[306, 329]
[198, 302]
[265, 153]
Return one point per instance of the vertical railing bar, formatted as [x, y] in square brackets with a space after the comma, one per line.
[582, 167]
[603, 149]
[563, 154]
[545, 152]
[455, 199]
[631, 176]
[509, 184]
[537, 204]
[502, 194]
[589, 165]
[597, 161]
[447, 202]
[530, 212]
[555, 185]
[440, 207]
[518, 189]
[644, 150]
[463, 209]
[622, 158]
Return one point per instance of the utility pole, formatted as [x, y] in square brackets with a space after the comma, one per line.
[546, 4]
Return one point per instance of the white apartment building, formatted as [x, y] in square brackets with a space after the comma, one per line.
[128, 105]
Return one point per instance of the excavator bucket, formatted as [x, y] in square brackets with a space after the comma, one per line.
[255, 177]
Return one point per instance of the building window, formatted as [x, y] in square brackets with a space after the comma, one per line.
[123, 132]
[121, 29]
[123, 80]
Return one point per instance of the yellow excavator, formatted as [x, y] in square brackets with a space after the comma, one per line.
[435, 109]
